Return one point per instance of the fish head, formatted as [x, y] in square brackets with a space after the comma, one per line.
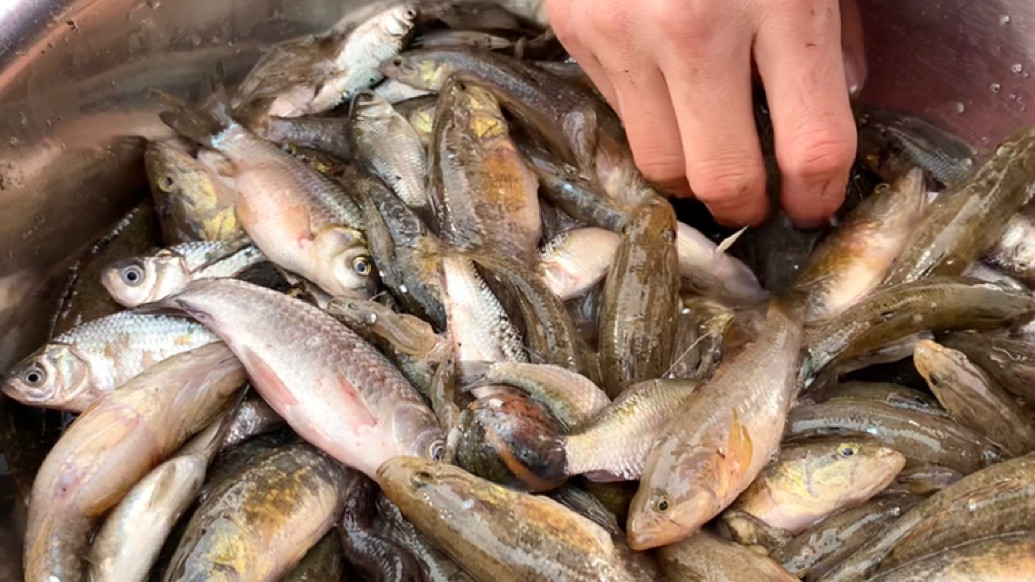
[174, 172]
[414, 483]
[682, 487]
[54, 375]
[936, 363]
[368, 105]
[346, 267]
[418, 69]
[838, 471]
[134, 282]
[399, 20]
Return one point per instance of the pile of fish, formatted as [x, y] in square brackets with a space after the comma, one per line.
[415, 315]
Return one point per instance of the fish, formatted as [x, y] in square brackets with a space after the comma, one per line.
[324, 561]
[814, 551]
[373, 553]
[723, 437]
[115, 443]
[298, 218]
[313, 74]
[343, 396]
[924, 479]
[968, 218]
[327, 135]
[385, 143]
[576, 260]
[572, 398]
[469, 15]
[810, 481]
[192, 201]
[995, 558]
[78, 367]
[482, 193]
[890, 394]
[260, 523]
[126, 546]
[420, 113]
[930, 304]
[253, 417]
[503, 535]
[453, 38]
[436, 565]
[891, 143]
[851, 262]
[153, 277]
[396, 92]
[1009, 361]
[969, 395]
[925, 439]
[640, 300]
[704, 556]
[1012, 478]
[1014, 253]
[706, 268]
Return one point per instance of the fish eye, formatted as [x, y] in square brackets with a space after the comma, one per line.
[290, 149]
[166, 183]
[397, 61]
[661, 504]
[847, 451]
[882, 188]
[362, 266]
[411, 13]
[438, 450]
[132, 275]
[34, 377]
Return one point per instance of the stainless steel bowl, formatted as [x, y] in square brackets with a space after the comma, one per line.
[75, 98]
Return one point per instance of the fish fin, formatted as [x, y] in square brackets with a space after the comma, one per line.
[473, 374]
[739, 446]
[581, 128]
[729, 241]
[205, 124]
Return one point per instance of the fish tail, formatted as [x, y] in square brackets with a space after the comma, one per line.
[207, 124]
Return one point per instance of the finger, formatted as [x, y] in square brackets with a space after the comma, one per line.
[564, 18]
[708, 72]
[798, 51]
[853, 46]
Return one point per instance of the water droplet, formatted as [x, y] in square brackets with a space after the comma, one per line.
[961, 107]
[371, 318]
[153, 4]
[1017, 68]
[1005, 19]
[995, 87]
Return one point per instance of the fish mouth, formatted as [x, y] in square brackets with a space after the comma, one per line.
[644, 534]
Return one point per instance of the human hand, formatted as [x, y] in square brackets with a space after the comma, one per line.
[679, 74]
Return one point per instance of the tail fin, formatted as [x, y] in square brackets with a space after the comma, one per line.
[205, 124]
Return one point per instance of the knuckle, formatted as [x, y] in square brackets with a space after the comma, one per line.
[609, 23]
[819, 154]
[727, 183]
[678, 20]
[661, 168]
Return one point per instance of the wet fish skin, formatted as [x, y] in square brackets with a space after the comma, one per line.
[1010, 362]
[704, 556]
[992, 559]
[192, 201]
[149, 278]
[640, 300]
[386, 144]
[722, 438]
[924, 480]
[420, 112]
[113, 445]
[810, 481]
[334, 395]
[437, 566]
[852, 261]
[298, 218]
[587, 505]
[814, 551]
[253, 417]
[326, 134]
[367, 548]
[923, 438]
[128, 543]
[576, 260]
[934, 303]
[550, 333]
[572, 398]
[890, 394]
[260, 523]
[95, 358]
[1014, 252]
[969, 395]
[323, 562]
[710, 270]
[313, 74]
[891, 143]
[1013, 477]
[966, 220]
[499, 534]
[461, 38]
[234, 458]
[466, 15]
[482, 193]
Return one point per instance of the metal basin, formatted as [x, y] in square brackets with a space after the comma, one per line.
[75, 80]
